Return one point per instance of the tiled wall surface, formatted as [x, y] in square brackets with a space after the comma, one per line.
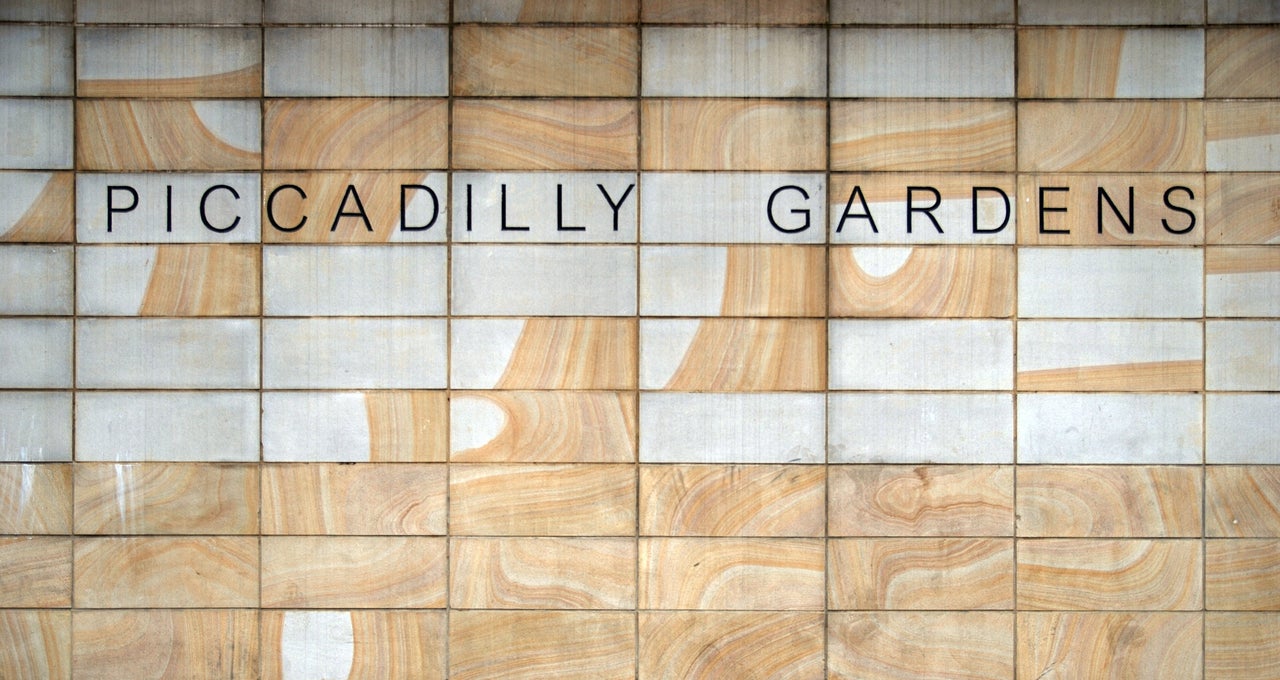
[660, 339]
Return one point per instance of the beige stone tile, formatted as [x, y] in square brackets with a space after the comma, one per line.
[36, 645]
[545, 207]
[352, 133]
[903, 645]
[732, 573]
[1095, 644]
[543, 280]
[1242, 502]
[169, 280]
[167, 353]
[750, 208]
[317, 353]
[733, 355]
[1109, 574]
[731, 500]
[780, 645]
[1095, 12]
[324, 498]
[1241, 646]
[735, 280]
[533, 644]
[1242, 135]
[1240, 428]
[1110, 282]
[920, 573]
[351, 61]
[542, 353]
[158, 426]
[166, 498]
[327, 572]
[907, 427]
[1243, 12]
[161, 12]
[1111, 136]
[168, 207]
[1108, 501]
[401, 426]
[916, 209]
[922, 12]
[354, 207]
[546, 11]
[35, 352]
[939, 500]
[169, 61]
[501, 61]
[38, 60]
[542, 427]
[1112, 356]
[916, 354]
[35, 499]
[46, 140]
[542, 500]
[37, 10]
[168, 135]
[733, 61]
[38, 426]
[368, 12]
[1110, 63]
[922, 282]
[150, 572]
[36, 280]
[1242, 573]
[1105, 428]
[357, 280]
[1242, 355]
[922, 62]
[1238, 209]
[1240, 62]
[733, 12]
[935, 136]
[544, 134]
[759, 427]
[387, 644]
[1242, 281]
[1102, 210]
[161, 643]
[542, 573]
[40, 207]
[37, 571]
[733, 134]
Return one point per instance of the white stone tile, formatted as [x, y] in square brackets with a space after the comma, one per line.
[37, 60]
[1110, 282]
[315, 427]
[544, 280]
[113, 280]
[1242, 429]
[1242, 355]
[37, 134]
[481, 350]
[168, 208]
[1244, 12]
[353, 353]
[167, 426]
[363, 12]
[332, 280]
[1242, 137]
[955, 217]
[731, 61]
[918, 354]
[1161, 63]
[167, 353]
[35, 279]
[732, 207]
[897, 427]
[663, 345]
[682, 280]
[317, 644]
[541, 207]
[164, 53]
[36, 10]
[680, 427]
[169, 11]
[1142, 429]
[1046, 345]
[922, 12]
[921, 62]
[1243, 293]
[1107, 12]
[21, 190]
[35, 353]
[35, 426]
[356, 61]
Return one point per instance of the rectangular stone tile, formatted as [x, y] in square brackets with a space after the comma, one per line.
[168, 135]
[182, 12]
[169, 61]
[544, 280]
[731, 500]
[922, 62]
[735, 280]
[542, 500]
[1242, 574]
[351, 61]
[169, 280]
[352, 134]
[170, 644]
[935, 136]
[546, 11]
[733, 12]
[1241, 646]
[354, 207]
[900, 427]
[682, 427]
[914, 209]
[389, 644]
[35, 352]
[922, 12]
[1242, 135]
[1168, 12]
[337, 353]
[368, 12]
[543, 353]
[542, 573]
[37, 60]
[1243, 12]
[150, 572]
[922, 282]
[749, 207]
[1109, 574]
[35, 499]
[1240, 62]
[733, 355]
[732, 573]
[905, 645]
[327, 572]
[331, 499]
[1242, 502]
[168, 208]
[1104, 210]
[1095, 644]
[37, 426]
[37, 10]
[733, 134]
[166, 498]
[35, 279]
[544, 134]
[338, 280]
[722, 644]
[899, 500]
[45, 142]
[1242, 355]
[1110, 63]
[1111, 136]
[37, 571]
[532, 644]
[36, 645]
[920, 573]
[39, 208]
[733, 61]
[1109, 428]
[915, 354]
[542, 427]
[1241, 428]
[1242, 281]
[376, 426]
[1110, 282]
[502, 61]
[1113, 356]
[1238, 209]
[167, 353]
[167, 426]
[1108, 501]
[541, 207]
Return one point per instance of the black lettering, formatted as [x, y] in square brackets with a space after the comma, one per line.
[911, 209]
[342, 209]
[1008, 211]
[616, 206]
[1191, 223]
[560, 225]
[204, 218]
[505, 226]
[864, 215]
[111, 209]
[404, 206]
[468, 206]
[168, 208]
[1103, 196]
[271, 199]
[1046, 209]
[794, 211]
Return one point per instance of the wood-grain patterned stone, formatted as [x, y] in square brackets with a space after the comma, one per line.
[542, 427]
[335, 499]
[37, 571]
[1132, 209]
[351, 134]
[147, 572]
[1100, 574]
[544, 134]
[1111, 136]
[1242, 136]
[522, 645]
[732, 573]
[1053, 646]
[747, 645]
[327, 572]
[735, 280]
[40, 207]
[920, 573]
[168, 135]
[169, 280]
[1109, 63]
[1110, 356]
[733, 134]
[35, 499]
[932, 136]
[352, 207]
[1242, 502]
[733, 355]
[1105, 501]
[733, 12]
[1242, 574]
[169, 61]
[165, 644]
[542, 500]
[1242, 281]
[166, 498]
[731, 500]
[547, 11]
[871, 208]
[542, 573]
[35, 645]
[1242, 62]
[1241, 646]
[520, 60]
[1240, 209]
[920, 645]
[544, 353]
[394, 645]
[922, 282]
[401, 426]
[938, 500]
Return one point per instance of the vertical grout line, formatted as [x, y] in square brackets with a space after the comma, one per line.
[448, 338]
[1013, 394]
[1204, 354]
[262, 308]
[826, 413]
[75, 257]
[635, 366]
